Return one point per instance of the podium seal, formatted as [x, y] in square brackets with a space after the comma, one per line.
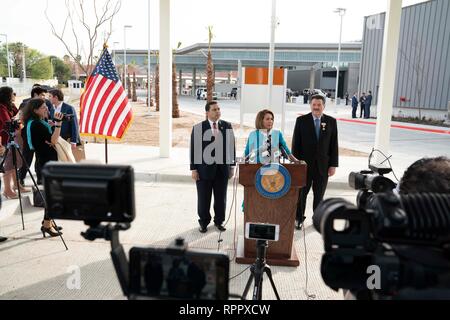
[273, 181]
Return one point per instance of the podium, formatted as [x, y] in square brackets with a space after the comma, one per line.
[281, 211]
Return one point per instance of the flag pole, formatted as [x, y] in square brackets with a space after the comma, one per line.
[106, 151]
[105, 47]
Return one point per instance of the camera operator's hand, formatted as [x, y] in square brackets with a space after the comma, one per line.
[331, 171]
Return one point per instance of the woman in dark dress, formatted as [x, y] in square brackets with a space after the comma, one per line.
[8, 112]
[41, 139]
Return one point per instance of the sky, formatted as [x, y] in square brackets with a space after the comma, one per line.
[300, 21]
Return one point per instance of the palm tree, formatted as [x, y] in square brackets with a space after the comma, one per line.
[157, 82]
[129, 86]
[209, 69]
[134, 97]
[175, 108]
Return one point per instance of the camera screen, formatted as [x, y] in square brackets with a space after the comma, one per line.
[259, 231]
[89, 192]
[161, 274]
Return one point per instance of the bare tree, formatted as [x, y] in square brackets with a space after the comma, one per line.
[76, 19]
[416, 64]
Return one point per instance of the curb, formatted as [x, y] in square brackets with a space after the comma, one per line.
[180, 178]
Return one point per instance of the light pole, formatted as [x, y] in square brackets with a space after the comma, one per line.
[273, 25]
[115, 52]
[341, 12]
[7, 54]
[125, 54]
[24, 66]
[148, 58]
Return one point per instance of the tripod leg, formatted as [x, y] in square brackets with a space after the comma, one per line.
[257, 290]
[269, 275]
[249, 283]
[14, 156]
[40, 194]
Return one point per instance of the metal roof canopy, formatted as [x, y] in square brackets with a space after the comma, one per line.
[226, 56]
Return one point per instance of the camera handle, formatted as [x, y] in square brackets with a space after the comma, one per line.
[111, 233]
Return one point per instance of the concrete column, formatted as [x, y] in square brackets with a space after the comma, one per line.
[194, 82]
[387, 78]
[312, 78]
[165, 81]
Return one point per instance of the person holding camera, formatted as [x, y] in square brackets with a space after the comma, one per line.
[69, 128]
[10, 127]
[41, 139]
[36, 92]
[426, 175]
[265, 143]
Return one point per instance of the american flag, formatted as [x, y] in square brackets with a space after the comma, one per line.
[105, 110]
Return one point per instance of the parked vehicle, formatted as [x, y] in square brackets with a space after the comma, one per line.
[204, 94]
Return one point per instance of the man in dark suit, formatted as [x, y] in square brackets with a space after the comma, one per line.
[69, 129]
[367, 105]
[315, 140]
[36, 92]
[354, 105]
[362, 101]
[212, 164]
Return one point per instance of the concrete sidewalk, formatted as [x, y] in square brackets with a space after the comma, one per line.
[344, 113]
[36, 268]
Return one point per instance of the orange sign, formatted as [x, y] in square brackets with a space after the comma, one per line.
[261, 76]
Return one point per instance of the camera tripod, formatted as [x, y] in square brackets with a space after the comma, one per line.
[12, 145]
[257, 271]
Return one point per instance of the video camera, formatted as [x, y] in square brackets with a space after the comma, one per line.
[12, 125]
[389, 246]
[105, 193]
[67, 117]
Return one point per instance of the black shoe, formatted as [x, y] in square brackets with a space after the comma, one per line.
[203, 229]
[220, 228]
[59, 228]
[3, 239]
[50, 232]
[298, 225]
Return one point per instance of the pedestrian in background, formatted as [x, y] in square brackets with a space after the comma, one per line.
[362, 101]
[367, 105]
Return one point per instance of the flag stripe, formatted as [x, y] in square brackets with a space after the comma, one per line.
[86, 108]
[96, 97]
[120, 123]
[115, 116]
[113, 94]
[120, 103]
[101, 97]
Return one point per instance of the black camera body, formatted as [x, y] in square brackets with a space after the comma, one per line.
[89, 192]
[401, 242]
[67, 117]
[12, 126]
